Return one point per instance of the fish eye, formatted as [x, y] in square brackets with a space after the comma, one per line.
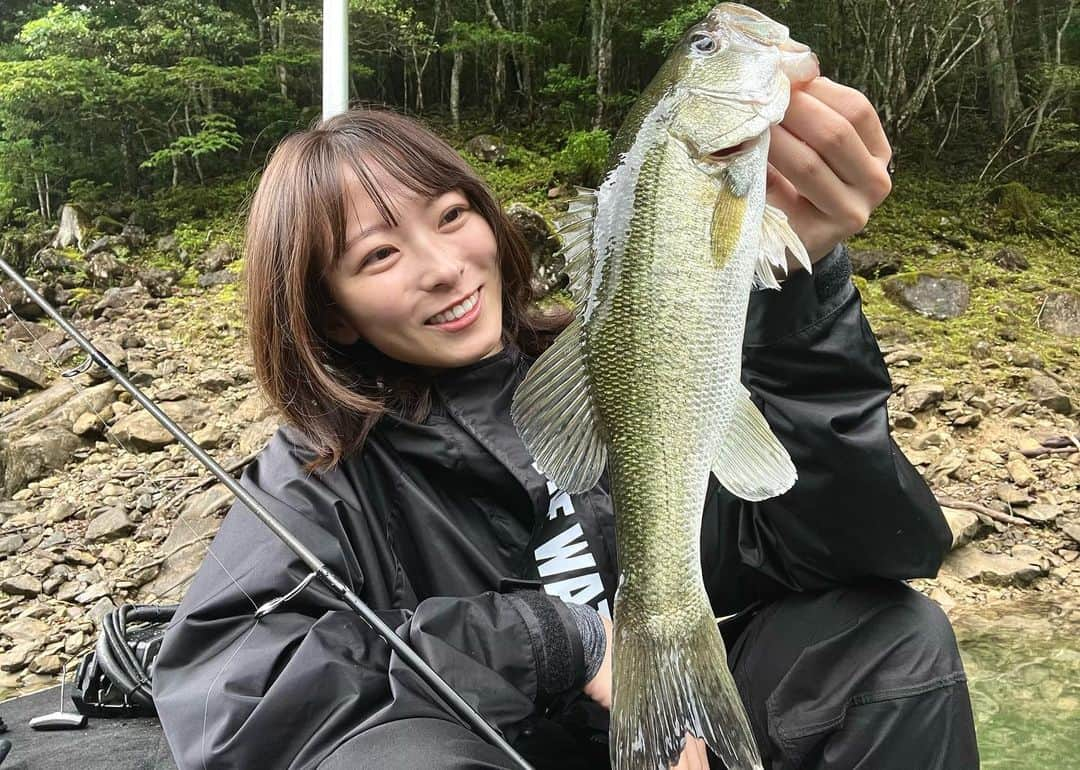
[702, 42]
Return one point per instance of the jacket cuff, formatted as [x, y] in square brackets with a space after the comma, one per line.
[556, 641]
[802, 301]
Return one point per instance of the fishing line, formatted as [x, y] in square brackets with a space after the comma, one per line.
[443, 694]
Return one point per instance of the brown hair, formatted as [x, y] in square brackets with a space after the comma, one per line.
[296, 231]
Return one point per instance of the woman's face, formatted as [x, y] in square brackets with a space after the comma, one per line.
[426, 291]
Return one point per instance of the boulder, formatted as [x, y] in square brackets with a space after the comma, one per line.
[1061, 314]
[920, 396]
[75, 224]
[104, 269]
[1010, 258]
[488, 148]
[547, 263]
[217, 278]
[106, 224]
[964, 525]
[18, 367]
[874, 263]
[110, 525]
[217, 257]
[934, 296]
[140, 431]
[970, 563]
[157, 282]
[35, 456]
[1049, 394]
[24, 307]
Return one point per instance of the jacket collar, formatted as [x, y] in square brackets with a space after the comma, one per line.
[475, 399]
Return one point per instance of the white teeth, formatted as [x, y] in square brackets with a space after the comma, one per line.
[457, 311]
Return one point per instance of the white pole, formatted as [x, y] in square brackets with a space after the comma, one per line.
[335, 59]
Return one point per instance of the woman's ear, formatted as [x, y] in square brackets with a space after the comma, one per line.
[338, 327]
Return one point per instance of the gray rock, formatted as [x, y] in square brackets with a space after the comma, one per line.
[103, 607]
[9, 544]
[931, 438]
[105, 269]
[1007, 493]
[92, 594]
[47, 665]
[905, 420]
[970, 563]
[1010, 258]
[86, 423]
[937, 297]
[17, 657]
[119, 297]
[217, 257]
[35, 456]
[25, 629]
[208, 437]
[103, 223]
[69, 590]
[923, 395]
[1072, 529]
[9, 388]
[20, 301]
[75, 224]
[157, 281]
[215, 380]
[110, 525]
[168, 243]
[141, 432]
[1061, 314]
[543, 248]
[217, 278]
[874, 263]
[133, 235]
[1021, 472]
[1041, 513]
[964, 525]
[21, 585]
[487, 148]
[18, 367]
[1049, 394]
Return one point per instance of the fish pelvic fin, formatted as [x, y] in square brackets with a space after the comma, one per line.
[753, 464]
[553, 413]
[664, 687]
[575, 228]
[777, 238]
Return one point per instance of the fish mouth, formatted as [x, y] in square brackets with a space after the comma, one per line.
[725, 155]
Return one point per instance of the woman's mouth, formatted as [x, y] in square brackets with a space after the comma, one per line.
[459, 316]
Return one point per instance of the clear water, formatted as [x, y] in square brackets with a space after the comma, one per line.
[1024, 676]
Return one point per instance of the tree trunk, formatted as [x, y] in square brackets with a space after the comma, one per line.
[455, 88]
[601, 37]
[282, 74]
[1000, 67]
[1053, 62]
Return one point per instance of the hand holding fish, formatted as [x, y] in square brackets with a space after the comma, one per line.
[828, 164]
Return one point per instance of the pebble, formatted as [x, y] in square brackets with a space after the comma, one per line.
[21, 585]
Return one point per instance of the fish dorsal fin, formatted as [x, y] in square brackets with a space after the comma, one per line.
[776, 238]
[752, 464]
[575, 228]
[553, 412]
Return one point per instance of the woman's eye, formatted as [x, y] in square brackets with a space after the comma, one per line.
[453, 214]
[378, 255]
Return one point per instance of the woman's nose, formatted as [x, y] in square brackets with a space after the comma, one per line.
[442, 264]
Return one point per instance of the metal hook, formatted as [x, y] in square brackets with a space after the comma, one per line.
[82, 368]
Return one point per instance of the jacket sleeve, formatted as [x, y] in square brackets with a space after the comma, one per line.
[859, 509]
[284, 689]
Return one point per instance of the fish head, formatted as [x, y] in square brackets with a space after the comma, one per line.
[728, 80]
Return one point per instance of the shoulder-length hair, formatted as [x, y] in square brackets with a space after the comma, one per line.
[296, 232]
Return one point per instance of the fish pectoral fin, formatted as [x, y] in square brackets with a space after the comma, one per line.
[753, 464]
[777, 238]
[553, 412]
[575, 228]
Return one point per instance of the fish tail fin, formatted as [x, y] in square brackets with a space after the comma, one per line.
[777, 238]
[665, 686]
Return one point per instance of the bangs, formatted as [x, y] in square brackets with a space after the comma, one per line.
[413, 161]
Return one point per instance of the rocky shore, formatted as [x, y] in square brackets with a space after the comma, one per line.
[91, 518]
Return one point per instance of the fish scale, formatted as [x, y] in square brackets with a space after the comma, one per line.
[645, 381]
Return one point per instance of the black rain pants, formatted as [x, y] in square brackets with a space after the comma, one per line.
[864, 677]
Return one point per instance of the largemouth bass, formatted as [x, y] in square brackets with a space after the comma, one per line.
[646, 380]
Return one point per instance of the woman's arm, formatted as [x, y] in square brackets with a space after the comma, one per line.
[859, 509]
[285, 689]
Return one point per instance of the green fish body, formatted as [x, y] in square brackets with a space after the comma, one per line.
[646, 380]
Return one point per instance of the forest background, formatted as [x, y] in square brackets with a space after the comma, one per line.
[168, 106]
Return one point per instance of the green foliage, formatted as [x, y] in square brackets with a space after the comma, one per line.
[572, 96]
[1017, 206]
[218, 133]
[584, 158]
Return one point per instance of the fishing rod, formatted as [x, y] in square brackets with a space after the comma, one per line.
[454, 702]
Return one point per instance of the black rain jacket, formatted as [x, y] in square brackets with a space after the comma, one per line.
[439, 527]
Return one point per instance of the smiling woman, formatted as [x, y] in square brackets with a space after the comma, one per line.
[375, 257]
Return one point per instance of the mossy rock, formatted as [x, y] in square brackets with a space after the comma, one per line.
[1018, 204]
[940, 297]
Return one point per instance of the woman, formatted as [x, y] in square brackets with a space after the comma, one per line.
[389, 317]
